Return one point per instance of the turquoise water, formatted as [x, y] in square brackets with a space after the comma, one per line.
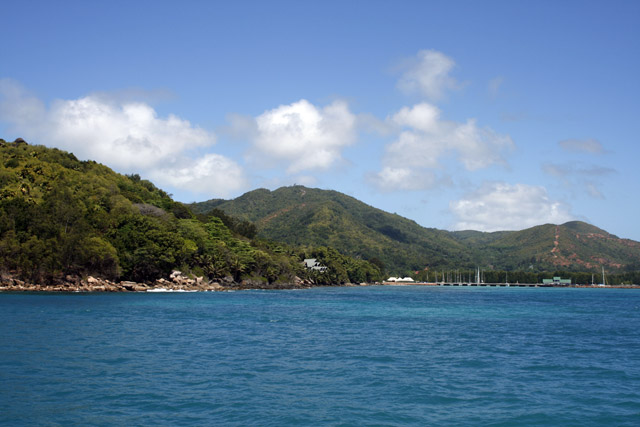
[327, 356]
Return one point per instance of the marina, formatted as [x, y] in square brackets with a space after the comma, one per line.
[509, 285]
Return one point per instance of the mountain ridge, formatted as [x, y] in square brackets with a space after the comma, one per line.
[302, 215]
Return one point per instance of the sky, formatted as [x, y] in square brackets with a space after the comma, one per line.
[493, 115]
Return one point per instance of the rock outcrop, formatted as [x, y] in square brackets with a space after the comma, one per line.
[177, 281]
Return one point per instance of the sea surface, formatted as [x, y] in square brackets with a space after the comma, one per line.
[405, 355]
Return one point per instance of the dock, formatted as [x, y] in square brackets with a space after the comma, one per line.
[486, 285]
[494, 285]
[507, 285]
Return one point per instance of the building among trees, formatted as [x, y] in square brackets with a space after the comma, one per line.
[313, 264]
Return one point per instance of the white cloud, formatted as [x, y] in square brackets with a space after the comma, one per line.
[392, 178]
[502, 206]
[125, 135]
[412, 149]
[209, 174]
[424, 139]
[305, 136]
[479, 147]
[423, 117]
[428, 75]
[591, 146]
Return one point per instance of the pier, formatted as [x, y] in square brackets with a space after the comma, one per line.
[470, 284]
[503, 285]
[507, 285]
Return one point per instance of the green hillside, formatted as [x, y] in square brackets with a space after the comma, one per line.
[60, 216]
[299, 215]
[574, 246]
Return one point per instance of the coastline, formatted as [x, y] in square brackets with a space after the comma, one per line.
[176, 282]
[508, 285]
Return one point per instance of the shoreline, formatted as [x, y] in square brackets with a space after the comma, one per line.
[92, 285]
[176, 282]
[507, 285]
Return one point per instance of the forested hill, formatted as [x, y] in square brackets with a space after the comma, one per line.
[301, 215]
[60, 216]
[307, 216]
[574, 246]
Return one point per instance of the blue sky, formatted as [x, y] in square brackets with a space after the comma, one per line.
[457, 114]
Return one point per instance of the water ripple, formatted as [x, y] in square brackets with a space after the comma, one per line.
[337, 356]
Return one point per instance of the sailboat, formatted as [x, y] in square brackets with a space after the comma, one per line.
[604, 283]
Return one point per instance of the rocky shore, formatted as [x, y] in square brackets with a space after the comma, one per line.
[176, 282]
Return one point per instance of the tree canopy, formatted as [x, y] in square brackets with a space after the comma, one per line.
[60, 216]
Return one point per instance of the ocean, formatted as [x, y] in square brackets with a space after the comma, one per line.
[381, 355]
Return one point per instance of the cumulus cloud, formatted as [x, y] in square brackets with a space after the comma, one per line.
[590, 146]
[401, 178]
[211, 172]
[423, 117]
[126, 135]
[428, 75]
[424, 138]
[502, 206]
[304, 136]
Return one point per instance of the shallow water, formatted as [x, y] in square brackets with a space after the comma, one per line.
[405, 355]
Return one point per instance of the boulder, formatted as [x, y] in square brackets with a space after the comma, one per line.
[129, 286]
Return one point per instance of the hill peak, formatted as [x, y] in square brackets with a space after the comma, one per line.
[302, 215]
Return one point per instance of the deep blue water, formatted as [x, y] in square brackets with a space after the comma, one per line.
[330, 356]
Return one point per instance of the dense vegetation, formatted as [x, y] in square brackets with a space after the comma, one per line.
[60, 216]
[299, 215]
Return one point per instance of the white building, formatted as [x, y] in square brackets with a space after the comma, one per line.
[313, 264]
[400, 279]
